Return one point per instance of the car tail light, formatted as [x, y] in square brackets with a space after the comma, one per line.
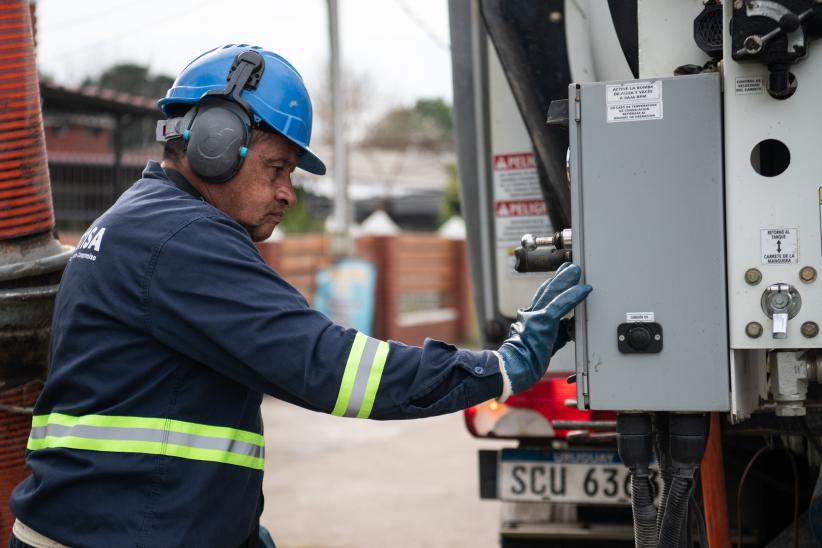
[530, 413]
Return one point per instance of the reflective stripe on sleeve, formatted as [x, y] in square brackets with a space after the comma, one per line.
[361, 378]
[154, 436]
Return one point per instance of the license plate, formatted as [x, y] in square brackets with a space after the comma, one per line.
[575, 476]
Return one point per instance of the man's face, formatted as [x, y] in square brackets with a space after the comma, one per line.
[259, 194]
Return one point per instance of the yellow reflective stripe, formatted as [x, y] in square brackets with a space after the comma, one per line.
[154, 423]
[146, 447]
[349, 374]
[374, 380]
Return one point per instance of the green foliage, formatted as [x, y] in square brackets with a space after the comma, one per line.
[133, 79]
[427, 124]
[436, 110]
[299, 219]
[450, 204]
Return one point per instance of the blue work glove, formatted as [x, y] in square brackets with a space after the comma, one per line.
[535, 334]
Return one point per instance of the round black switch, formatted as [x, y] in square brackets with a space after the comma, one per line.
[638, 337]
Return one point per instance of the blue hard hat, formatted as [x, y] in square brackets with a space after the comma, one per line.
[280, 99]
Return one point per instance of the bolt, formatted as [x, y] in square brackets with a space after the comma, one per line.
[555, 17]
[753, 276]
[780, 300]
[621, 338]
[807, 274]
[738, 4]
[810, 329]
[753, 330]
[657, 337]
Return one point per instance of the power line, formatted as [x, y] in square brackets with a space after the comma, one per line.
[92, 48]
[98, 15]
[422, 25]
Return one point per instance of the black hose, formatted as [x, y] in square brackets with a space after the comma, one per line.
[676, 512]
[665, 487]
[642, 504]
[663, 459]
[635, 446]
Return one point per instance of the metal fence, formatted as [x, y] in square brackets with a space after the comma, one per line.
[83, 191]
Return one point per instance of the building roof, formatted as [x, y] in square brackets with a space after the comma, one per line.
[96, 100]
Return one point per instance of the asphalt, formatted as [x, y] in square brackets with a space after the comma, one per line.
[348, 483]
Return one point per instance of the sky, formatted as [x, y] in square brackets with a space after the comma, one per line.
[399, 48]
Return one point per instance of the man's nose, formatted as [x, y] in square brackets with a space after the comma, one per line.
[287, 197]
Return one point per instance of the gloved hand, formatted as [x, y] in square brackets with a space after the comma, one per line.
[535, 336]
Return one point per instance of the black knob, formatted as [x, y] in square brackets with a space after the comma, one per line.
[638, 337]
[789, 22]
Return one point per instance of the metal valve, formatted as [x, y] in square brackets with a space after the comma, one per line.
[781, 302]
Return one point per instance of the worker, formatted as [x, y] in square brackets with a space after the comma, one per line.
[169, 327]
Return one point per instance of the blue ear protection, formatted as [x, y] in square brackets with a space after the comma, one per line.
[217, 130]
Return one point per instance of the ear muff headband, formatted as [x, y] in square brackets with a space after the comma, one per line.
[217, 130]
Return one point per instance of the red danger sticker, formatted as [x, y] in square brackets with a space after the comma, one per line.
[508, 162]
[520, 208]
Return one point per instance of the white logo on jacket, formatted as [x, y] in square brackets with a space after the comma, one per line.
[92, 241]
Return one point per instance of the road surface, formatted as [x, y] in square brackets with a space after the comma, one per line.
[347, 483]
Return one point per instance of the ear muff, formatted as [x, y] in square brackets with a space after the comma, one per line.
[217, 139]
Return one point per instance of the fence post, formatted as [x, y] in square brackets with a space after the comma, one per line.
[462, 290]
[386, 302]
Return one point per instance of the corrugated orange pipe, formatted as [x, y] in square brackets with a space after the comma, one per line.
[714, 497]
[14, 433]
[26, 218]
[25, 196]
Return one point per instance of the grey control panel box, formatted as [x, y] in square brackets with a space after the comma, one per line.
[648, 221]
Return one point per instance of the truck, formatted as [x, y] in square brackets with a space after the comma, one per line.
[669, 148]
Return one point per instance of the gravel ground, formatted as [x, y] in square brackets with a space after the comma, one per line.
[347, 483]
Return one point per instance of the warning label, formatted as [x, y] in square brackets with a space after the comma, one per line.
[518, 205]
[749, 85]
[520, 208]
[779, 245]
[634, 101]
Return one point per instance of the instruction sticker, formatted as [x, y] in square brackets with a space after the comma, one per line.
[748, 85]
[634, 101]
[645, 317]
[779, 245]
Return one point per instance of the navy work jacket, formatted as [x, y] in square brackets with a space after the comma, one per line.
[168, 328]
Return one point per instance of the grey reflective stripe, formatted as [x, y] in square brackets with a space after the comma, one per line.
[148, 434]
[361, 380]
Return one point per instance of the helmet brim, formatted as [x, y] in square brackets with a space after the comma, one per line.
[310, 162]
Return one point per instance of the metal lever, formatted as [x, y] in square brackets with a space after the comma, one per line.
[780, 325]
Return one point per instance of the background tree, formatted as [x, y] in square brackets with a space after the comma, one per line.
[450, 204]
[427, 125]
[132, 78]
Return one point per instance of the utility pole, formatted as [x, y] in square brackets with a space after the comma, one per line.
[340, 233]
